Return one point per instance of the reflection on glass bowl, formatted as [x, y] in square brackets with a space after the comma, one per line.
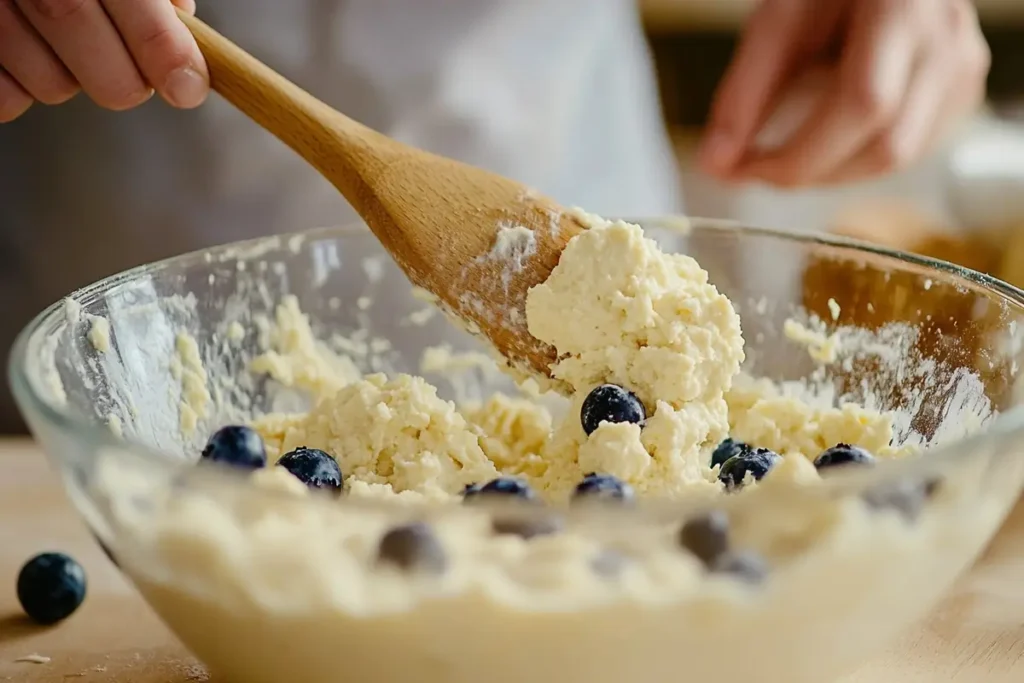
[123, 383]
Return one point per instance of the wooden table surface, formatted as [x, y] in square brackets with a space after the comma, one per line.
[976, 636]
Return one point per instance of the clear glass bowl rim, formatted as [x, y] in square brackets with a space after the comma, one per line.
[38, 410]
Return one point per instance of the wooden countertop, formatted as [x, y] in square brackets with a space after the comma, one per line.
[977, 635]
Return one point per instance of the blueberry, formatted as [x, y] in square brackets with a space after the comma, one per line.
[757, 462]
[608, 563]
[314, 468]
[906, 497]
[51, 586]
[729, 448]
[843, 454]
[611, 403]
[603, 486]
[414, 547]
[236, 446]
[527, 527]
[746, 566]
[707, 536]
[502, 486]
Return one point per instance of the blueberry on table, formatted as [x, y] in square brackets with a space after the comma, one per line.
[843, 454]
[236, 446]
[51, 586]
[611, 403]
[413, 547]
[707, 536]
[603, 486]
[314, 468]
[729, 448]
[502, 486]
[757, 462]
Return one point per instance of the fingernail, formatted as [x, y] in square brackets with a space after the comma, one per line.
[185, 88]
[718, 151]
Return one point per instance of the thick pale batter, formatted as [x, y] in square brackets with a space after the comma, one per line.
[618, 310]
[291, 588]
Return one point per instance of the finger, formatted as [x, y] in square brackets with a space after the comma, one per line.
[910, 135]
[949, 83]
[764, 58]
[14, 101]
[163, 49]
[874, 70]
[82, 35]
[975, 56]
[30, 61]
[186, 6]
[935, 101]
[929, 115]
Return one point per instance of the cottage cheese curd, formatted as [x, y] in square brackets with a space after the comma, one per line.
[400, 580]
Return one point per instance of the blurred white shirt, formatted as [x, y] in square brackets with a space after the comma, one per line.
[558, 94]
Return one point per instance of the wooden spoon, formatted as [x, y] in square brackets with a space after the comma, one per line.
[438, 218]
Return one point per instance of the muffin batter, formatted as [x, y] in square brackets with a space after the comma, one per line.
[293, 585]
[619, 311]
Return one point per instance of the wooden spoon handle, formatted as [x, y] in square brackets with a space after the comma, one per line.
[314, 130]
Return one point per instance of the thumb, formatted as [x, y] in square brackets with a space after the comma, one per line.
[766, 55]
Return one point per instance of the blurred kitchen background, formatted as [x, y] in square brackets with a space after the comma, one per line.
[976, 182]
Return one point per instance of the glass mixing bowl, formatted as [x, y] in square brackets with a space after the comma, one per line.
[266, 585]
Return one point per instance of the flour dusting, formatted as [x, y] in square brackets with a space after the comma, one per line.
[513, 246]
